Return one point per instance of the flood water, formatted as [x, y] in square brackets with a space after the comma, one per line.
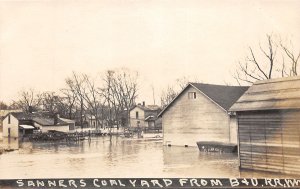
[117, 157]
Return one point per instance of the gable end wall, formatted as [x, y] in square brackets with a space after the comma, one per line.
[187, 121]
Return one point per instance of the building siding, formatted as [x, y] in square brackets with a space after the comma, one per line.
[270, 140]
[141, 118]
[187, 121]
[64, 128]
[14, 127]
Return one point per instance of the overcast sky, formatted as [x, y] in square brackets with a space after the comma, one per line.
[42, 42]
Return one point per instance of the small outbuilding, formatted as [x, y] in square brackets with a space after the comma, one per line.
[199, 113]
[269, 126]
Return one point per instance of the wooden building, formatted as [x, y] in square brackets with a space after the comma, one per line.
[3, 114]
[17, 124]
[269, 126]
[200, 113]
[144, 116]
[49, 124]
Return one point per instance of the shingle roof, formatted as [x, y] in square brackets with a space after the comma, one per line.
[3, 113]
[222, 95]
[40, 118]
[22, 115]
[48, 121]
[282, 93]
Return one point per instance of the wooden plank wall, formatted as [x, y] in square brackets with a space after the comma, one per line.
[269, 141]
[190, 120]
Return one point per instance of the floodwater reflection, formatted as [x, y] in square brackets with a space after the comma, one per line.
[116, 157]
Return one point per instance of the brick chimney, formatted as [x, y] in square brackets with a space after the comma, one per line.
[144, 103]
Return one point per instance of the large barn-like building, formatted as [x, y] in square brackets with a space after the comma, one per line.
[200, 113]
[269, 126]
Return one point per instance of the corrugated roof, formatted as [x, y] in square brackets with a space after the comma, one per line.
[224, 96]
[282, 93]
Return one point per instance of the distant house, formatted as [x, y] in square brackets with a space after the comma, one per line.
[17, 124]
[269, 126]
[3, 113]
[91, 121]
[200, 113]
[46, 124]
[144, 116]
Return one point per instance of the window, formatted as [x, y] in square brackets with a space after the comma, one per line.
[192, 95]
[137, 115]
[9, 119]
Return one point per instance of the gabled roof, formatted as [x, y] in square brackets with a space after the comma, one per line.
[22, 115]
[222, 95]
[3, 113]
[48, 121]
[40, 118]
[282, 93]
[150, 118]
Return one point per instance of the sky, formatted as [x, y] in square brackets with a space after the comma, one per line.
[42, 42]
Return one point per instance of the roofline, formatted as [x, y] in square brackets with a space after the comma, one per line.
[276, 80]
[11, 113]
[209, 98]
[264, 109]
[165, 108]
[189, 84]
[50, 124]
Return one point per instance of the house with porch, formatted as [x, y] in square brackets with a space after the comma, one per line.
[144, 116]
[17, 124]
[199, 113]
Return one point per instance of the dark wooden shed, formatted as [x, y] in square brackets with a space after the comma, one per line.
[269, 126]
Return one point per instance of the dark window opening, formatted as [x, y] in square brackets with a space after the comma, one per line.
[9, 119]
[136, 115]
[192, 95]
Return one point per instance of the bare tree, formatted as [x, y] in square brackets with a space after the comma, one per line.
[266, 64]
[76, 85]
[93, 97]
[3, 106]
[172, 91]
[127, 86]
[168, 95]
[50, 102]
[68, 99]
[120, 92]
[253, 69]
[292, 69]
[29, 100]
